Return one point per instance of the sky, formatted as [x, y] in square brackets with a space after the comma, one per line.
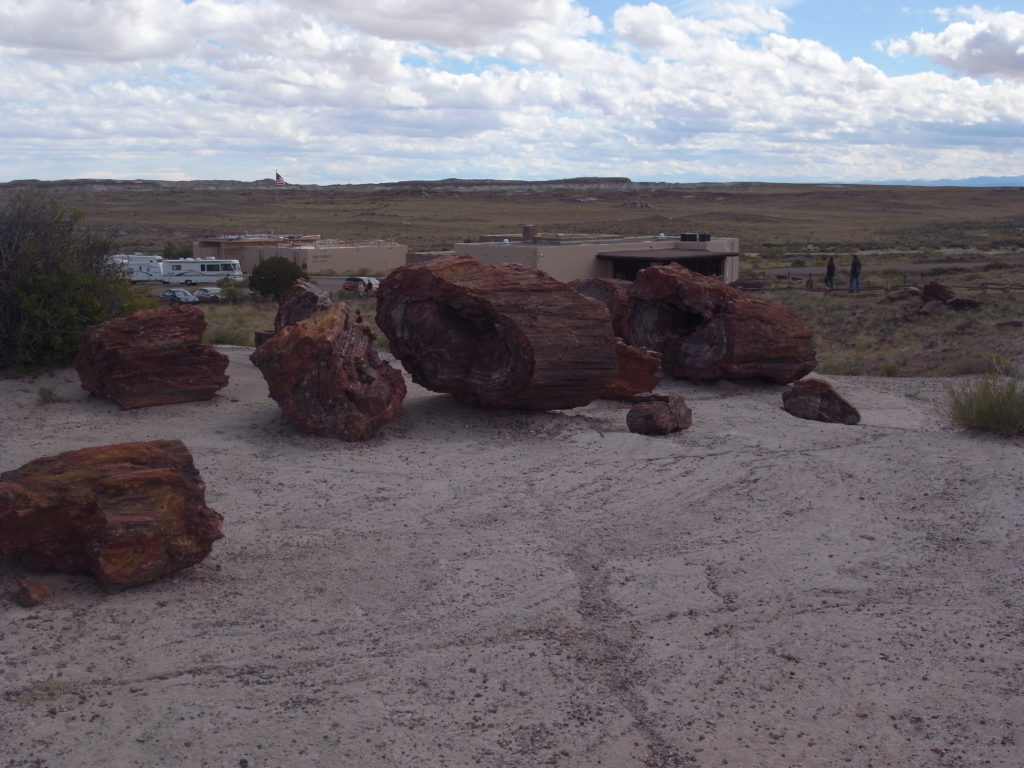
[338, 91]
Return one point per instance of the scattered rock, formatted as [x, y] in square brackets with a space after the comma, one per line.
[706, 330]
[960, 304]
[327, 377]
[128, 513]
[638, 371]
[935, 292]
[497, 337]
[152, 357]
[904, 293]
[932, 307]
[31, 593]
[299, 302]
[658, 415]
[815, 399]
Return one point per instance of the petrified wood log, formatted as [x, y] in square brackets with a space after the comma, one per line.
[614, 294]
[497, 337]
[299, 302]
[706, 330]
[128, 513]
[327, 377]
[152, 357]
[815, 399]
[638, 371]
[935, 292]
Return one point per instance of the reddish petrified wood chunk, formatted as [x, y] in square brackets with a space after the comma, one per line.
[327, 377]
[706, 330]
[31, 593]
[815, 399]
[613, 293]
[638, 371]
[935, 292]
[658, 415]
[152, 357]
[300, 301]
[128, 513]
[497, 337]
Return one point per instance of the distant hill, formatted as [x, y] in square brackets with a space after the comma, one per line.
[976, 181]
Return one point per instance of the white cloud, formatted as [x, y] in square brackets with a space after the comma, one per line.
[986, 43]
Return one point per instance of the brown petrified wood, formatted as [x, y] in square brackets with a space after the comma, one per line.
[128, 513]
[497, 337]
[638, 371]
[815, 399]
[327, 377]
[706, 330]
[658, 414]
[31, 593]
[152, 357]
[935, 292]
[613, 293]
[299, 302]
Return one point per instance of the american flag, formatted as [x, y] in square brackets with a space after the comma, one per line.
[279, 180]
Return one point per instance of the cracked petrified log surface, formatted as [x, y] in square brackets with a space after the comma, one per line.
[706, 330]
[638, 371]
[327, 377]
[152, 357]
[128, 513]
[300, 301]
[613, 293]
[497, 337]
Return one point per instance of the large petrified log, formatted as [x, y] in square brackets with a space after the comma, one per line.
[706, 330]
[300, 301]
[638, 371]
[497, 337]
[128, 513]
[152, 357]
[327, 377]
[613, 293]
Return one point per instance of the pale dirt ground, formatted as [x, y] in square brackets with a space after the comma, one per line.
[506, 589]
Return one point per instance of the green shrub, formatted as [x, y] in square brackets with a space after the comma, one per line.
[993, 402]
[55, 281]
[275, 276]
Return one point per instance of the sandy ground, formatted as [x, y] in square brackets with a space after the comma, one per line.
[506, 589]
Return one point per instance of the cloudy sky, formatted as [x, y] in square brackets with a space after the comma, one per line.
[350, 91]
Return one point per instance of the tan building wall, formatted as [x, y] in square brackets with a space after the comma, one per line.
[343, 260]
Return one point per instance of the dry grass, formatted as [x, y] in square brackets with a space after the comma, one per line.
[993, 402]
[237, 324]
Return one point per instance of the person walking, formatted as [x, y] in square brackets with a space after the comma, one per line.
[855, 273]
[830, 275]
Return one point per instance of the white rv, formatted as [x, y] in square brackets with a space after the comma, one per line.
[140, 267]
[198, 271]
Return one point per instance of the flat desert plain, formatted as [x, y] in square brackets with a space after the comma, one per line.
[525, 589]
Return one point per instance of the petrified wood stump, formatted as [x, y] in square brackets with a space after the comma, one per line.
[815, 400]
[152, 357]
[497, 337]
[300, 301]
[326, 375]
[613, 293]
[705, 330]
[638, 371]
[659, 415]
[128, 513]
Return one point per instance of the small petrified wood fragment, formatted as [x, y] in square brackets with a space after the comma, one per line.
[300, 301]
[638, 371]
[152, 357]
[31, 593]
[327, 377]
[658, 415]
[706, 330]
[128, 513]
[815, 399]
[497, 337]
[935, 292]
[613, 293]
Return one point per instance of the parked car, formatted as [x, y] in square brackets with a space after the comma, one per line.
[208, 293]
[356, 284]
[178, 296]
[374, 284]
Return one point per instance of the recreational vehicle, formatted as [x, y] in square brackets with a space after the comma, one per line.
[196, 271]
[140, 267]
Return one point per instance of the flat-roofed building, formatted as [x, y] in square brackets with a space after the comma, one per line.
[578, 257]
[316, 255]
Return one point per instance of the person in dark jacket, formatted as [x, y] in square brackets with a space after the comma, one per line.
[855, 273]
[830, 274]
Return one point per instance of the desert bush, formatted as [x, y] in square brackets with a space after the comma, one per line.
[993, 402]
[275, 276]
[55, 280]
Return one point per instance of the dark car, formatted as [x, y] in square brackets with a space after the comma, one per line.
[356, 284]
[178, 296]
